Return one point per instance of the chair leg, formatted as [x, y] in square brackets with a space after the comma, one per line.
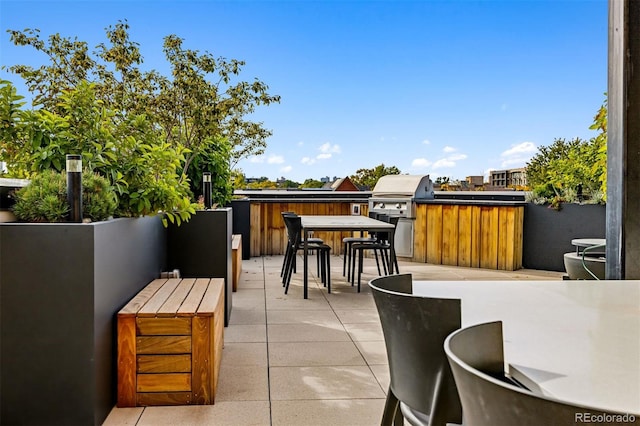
[289, 270]
[344, 259]
[327, 255]
[391, 407]
[353, 266]
[375, 253]
[385, 260]
[360, 265]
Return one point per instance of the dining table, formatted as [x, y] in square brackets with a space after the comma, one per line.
[342, 223]
[577, 341]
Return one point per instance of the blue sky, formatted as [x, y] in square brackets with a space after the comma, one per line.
[447, 88]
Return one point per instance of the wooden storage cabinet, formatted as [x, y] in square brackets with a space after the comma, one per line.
[170, 338]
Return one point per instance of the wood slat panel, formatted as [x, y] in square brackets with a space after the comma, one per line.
[518, 246]
[489, 242]
[450, 234]
[171, 382]
[173, 303]
[163, 326]
[126, 362]
[202, 368]
[464, 235]
[164, 363]
[211, 298]
[193, 299]
[164, 398]
[476, 235]
[217, 343]
[163, 345]
[157, 300]
[255, 229]
[134, 305]
[505, 238]
[434, 229]
[420, 234]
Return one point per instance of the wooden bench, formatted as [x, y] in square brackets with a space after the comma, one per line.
[170, 338]
[236, 259]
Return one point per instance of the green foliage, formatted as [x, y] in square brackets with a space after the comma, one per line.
[312, 183]
[99, 201]
[367, 178]
[564, 171]
[599, 167]
[45, 198]
[130, 152]
[214, 159]
[201, 103]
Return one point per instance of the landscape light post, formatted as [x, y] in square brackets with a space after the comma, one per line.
[206, 189]
[74, 187]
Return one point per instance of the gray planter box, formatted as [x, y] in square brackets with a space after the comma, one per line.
[548, 233]
[61, 286]
[201, 248]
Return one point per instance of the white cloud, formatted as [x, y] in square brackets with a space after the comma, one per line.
[426, 141]
[256, 159]
[457, 157]
[449, 149]
[324, 156]
[444, 163]
[275, 159]
[300, 143]
[327, 148]
[286, 169]
[518, 155]
[308, 161]
[420, 163]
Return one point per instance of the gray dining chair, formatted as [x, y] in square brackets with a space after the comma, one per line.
[491, 398]
[421, 389]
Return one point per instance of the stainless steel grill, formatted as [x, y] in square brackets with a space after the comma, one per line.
[395, 195]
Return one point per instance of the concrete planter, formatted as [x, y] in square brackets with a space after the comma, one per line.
[548, 232]
[61, 286]
[201, 248]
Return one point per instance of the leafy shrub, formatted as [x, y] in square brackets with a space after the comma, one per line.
[45, 198]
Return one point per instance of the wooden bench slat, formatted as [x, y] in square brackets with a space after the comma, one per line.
[164, 363]
[170, 382]
[163, 398]
[163, 326]
[157, 300]
[163, 345]
[211, 297]
[134, 305]
[173, 303]
[192, 301]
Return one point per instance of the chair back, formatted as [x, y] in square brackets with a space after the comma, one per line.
[293, 223]
[476, 358]
[414, 330]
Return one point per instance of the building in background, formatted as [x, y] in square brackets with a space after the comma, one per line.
[510, 178]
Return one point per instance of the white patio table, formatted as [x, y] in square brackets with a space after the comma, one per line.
[343, 223]
[577, 341]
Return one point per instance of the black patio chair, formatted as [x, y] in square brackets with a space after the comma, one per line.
[490, 397]
[382, 245]
[422, 389]
[295, 243]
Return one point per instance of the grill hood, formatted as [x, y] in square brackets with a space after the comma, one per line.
[404, 186]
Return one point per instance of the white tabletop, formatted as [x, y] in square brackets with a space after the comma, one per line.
[588, 242]
[577, 341]
[342, 223]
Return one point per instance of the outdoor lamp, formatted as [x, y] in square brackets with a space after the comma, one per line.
[74, 187]
[206, 189]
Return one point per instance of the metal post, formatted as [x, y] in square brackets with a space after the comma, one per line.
[206, 189]
[74, 187]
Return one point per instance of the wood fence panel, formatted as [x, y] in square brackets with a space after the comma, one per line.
[464, 235]
[450, 234]
[434, 230]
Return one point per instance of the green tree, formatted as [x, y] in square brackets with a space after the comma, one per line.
[312, 183]
[202, 106]
[599, 167]
[367, 178]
